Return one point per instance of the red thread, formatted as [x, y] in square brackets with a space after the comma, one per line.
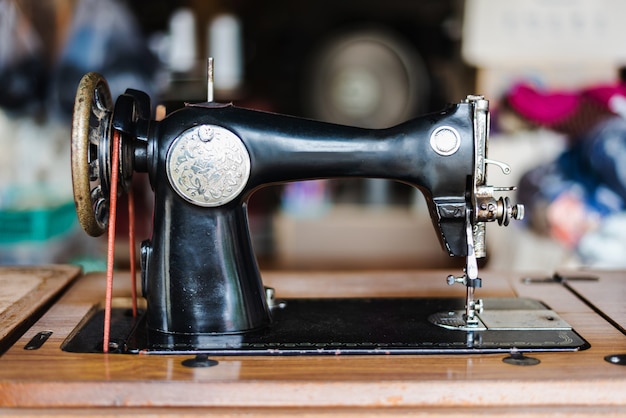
[111, 240]
[131, 239]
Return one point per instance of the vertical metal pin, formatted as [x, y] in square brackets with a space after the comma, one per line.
[210, 79]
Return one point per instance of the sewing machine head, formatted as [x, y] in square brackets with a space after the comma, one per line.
[199, 273]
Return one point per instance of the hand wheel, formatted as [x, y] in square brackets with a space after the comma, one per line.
[91, 152]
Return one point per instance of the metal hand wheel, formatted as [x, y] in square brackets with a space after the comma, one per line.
[91, 152]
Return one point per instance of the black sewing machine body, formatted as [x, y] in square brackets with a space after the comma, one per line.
[200, 277]
[202, 257]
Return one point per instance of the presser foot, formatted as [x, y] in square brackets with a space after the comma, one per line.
[473, 306]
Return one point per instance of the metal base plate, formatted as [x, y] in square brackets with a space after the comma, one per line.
[350, 326]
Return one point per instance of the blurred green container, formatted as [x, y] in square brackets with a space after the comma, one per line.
[36, 225]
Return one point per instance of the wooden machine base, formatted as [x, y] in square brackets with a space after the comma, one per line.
[44, 380]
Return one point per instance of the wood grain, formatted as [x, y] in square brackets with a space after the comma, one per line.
[433, 385]
[25, 292]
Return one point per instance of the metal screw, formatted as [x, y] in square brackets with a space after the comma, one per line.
[205, 133]
[478, 305]
[453, 279]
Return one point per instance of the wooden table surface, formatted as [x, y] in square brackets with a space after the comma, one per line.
[25, 292]
[49, 381]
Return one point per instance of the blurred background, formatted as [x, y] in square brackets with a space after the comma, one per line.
[552, 71]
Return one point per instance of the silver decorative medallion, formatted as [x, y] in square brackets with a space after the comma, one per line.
[208, 165]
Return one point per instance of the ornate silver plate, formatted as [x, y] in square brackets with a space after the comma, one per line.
[208, 165]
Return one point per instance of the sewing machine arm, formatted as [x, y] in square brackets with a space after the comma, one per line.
[283, 149]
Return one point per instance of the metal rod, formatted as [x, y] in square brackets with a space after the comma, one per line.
[210, 80]
[471, 271]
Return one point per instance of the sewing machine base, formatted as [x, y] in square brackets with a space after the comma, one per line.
[338, 326]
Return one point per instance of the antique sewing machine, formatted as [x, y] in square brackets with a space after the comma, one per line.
[199, 275]
[206, 302]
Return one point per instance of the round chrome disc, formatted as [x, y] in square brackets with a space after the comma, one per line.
[91, 151]
[208, 165]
